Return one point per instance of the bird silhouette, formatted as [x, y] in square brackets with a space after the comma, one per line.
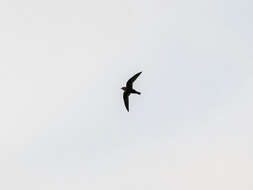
[128, 89]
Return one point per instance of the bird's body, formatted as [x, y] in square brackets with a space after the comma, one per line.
[128, 90]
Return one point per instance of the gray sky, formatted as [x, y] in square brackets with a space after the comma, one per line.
[63, 123]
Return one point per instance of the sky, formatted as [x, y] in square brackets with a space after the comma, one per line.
[63, 122]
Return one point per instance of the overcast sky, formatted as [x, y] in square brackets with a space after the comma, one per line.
[63, 124]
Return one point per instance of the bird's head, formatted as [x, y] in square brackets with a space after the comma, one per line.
[123, 88]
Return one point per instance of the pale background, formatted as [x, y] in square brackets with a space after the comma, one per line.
[63, 125]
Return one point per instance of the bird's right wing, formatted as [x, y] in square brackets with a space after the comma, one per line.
[132, 79]
[125, 97]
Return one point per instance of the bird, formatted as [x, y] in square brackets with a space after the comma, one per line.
[128, 90]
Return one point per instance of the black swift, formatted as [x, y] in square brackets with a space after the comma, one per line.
[128, 89]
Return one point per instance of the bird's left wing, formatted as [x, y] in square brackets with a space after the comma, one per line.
[125, 97]
[132, 79]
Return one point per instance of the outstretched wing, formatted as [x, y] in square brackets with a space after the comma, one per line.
[129, 83]
[125, 97]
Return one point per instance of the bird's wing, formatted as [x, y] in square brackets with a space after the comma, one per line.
[125, 97]
[131, 80]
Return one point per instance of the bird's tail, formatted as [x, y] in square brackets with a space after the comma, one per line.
[136, 92]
